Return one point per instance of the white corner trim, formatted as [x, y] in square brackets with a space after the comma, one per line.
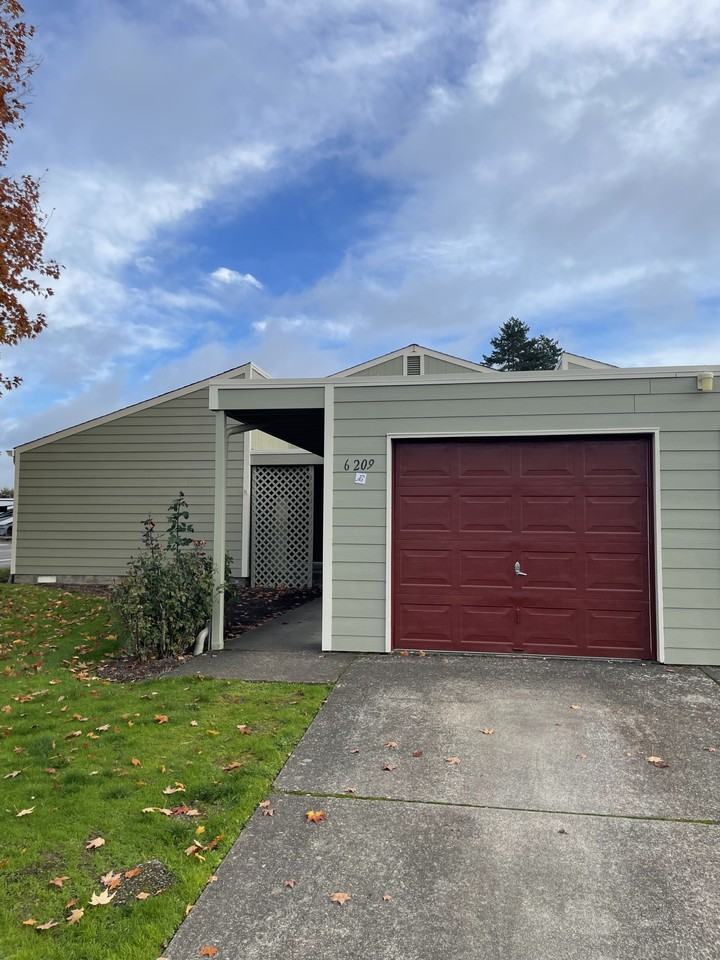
[16, 515]
[246, 504]
[652, 432]
[328, 491]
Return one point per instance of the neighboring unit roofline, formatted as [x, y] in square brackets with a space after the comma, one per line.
[410, 349]
[589, 362]
[133, 408]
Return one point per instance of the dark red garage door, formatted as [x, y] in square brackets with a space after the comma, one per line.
[541, 546]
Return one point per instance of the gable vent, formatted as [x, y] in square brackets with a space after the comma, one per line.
[412, 367]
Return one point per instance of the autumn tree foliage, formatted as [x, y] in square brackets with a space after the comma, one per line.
[23, 270]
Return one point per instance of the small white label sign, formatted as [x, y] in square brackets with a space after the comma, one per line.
[361, 478]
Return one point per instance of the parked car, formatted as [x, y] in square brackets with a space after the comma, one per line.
[6, 521]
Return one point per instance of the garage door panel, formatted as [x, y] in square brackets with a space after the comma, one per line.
[624, 459]
[421, 461]
[491, 626]
[426, 624]
[549, 570]
[548, 514]
[616, 515]
[486, 460]
[486, 568]
[575, 513]
[425, 567]
[614, 572]
[485, 513]
[424, 512]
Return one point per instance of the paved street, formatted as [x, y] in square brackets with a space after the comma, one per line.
[505, 808]
[5, 546]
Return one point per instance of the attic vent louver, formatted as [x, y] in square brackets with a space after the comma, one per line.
[412, 368]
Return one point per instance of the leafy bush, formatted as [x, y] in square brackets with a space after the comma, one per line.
[166, 597]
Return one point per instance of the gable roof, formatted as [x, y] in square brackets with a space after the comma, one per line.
[410, 350]
[250, 368]
[577, 360]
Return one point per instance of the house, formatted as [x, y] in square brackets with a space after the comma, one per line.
[571, 512]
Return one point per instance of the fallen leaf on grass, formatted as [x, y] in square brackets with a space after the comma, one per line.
[163, 810]
[207, 951]
[188, 908]
[12, 775]
[103, 727]
[234, 765]
[30, 922]
[452, 760]
[73, 733]
[488, 731]
[142, 895]
[111, 880]
[95, 843]
[58, 881]
[244, 728]
[71, 903]
[657, 762]
[161, 718]
[47, 926]
[135, 762]
[26, 812]
[193, 723]
[315, 816]
[75, 915]
[178, 788]
[194, 849]
[101, 899]
[340, 897]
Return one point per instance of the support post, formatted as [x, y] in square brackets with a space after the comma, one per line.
[217, 636]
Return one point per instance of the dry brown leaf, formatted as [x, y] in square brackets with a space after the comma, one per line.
[95, 843]
[135, 762]
[101, 899]
[266, 808]
[657, 762]
[244, 728]
[75, 915]
[178, 788]
[208, 951]
[47, 926]
[315, 816]
[142, 895]
[129, 874]
[161, 718]
[452, 760]
[340, 897]
[575, 706]
[111, 880]
[417, 753]
[392, 744]
[387, 898]
[290, 884]
[188, 908]
[73, 733]
[58, 881]
[234, 765]
[71, 903]
[26, 812]
[103, 727]
[30, 922]
[93, 736]
[710, 749]
[488, 731]
[389, 766]
[355, 750]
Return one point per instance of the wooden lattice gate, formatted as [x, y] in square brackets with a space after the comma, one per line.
[282, 526]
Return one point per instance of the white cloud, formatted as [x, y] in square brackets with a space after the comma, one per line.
[228, 277]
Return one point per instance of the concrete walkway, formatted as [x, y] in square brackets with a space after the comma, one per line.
[286, 648]
[550, 838]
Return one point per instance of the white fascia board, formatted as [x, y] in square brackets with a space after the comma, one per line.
[126, 411]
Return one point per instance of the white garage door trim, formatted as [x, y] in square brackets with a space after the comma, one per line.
[652, 432]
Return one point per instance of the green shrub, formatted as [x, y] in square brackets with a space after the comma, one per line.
[166, 597]
[4, 574]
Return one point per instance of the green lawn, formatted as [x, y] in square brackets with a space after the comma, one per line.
[95, 783]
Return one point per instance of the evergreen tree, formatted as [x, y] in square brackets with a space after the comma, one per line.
[514, 349]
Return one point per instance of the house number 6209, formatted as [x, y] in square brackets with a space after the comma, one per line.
[358, 464]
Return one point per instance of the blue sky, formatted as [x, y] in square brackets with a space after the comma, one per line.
[309, 183]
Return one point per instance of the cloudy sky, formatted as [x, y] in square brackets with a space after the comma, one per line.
[308, 183]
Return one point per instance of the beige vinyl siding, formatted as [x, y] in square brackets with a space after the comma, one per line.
[689, 463]
[83, 497]
[434, 366]
[388, 368]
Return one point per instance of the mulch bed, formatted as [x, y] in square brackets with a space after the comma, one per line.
[247, 608]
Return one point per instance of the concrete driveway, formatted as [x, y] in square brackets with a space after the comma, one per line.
[551, 838]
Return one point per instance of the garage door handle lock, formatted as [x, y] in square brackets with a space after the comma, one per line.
[518, 571]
